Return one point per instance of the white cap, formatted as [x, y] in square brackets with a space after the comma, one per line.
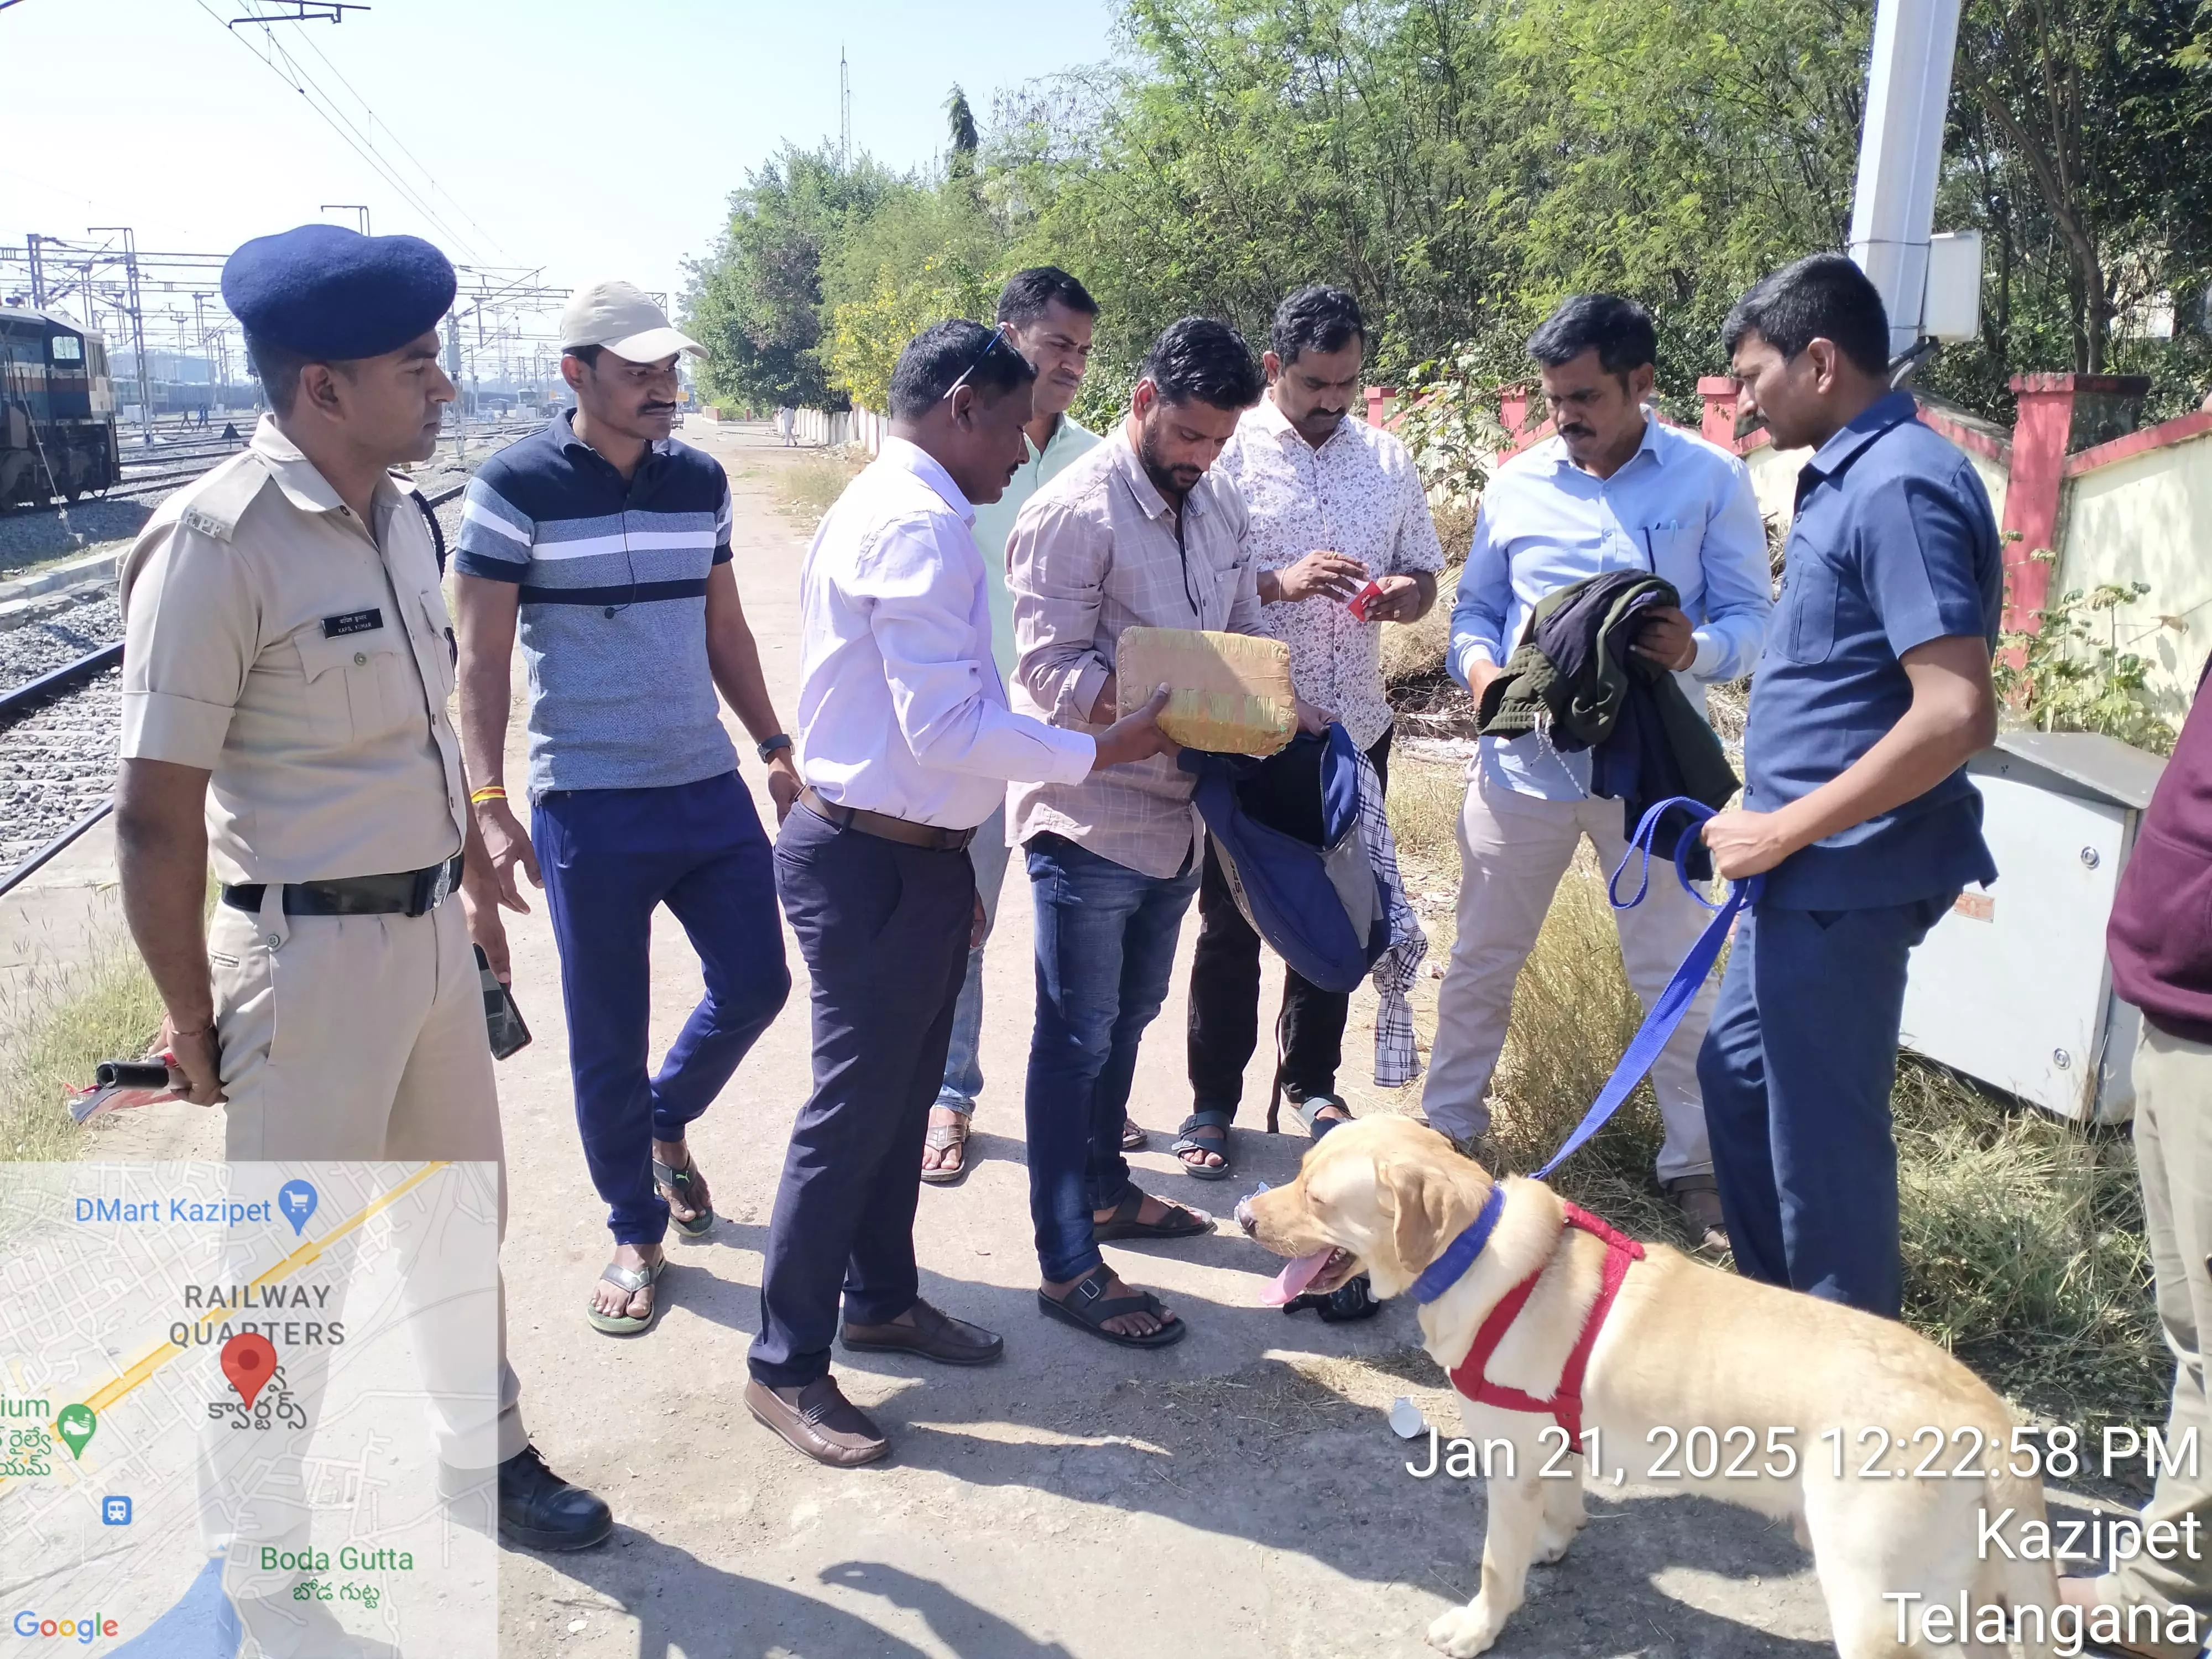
[619, 317]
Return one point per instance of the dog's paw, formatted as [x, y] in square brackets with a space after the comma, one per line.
[1465, 1632]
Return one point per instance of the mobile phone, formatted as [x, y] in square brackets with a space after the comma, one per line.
[1358, 602]
[502, 1020]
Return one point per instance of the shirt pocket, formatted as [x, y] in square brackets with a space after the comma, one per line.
[360, 687]
[1671, 549]
[1804, 628]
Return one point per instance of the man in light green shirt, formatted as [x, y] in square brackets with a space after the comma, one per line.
[1047, 316]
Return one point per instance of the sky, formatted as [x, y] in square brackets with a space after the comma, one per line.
[589, 138]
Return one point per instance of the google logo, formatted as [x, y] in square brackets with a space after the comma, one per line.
[78, 1630]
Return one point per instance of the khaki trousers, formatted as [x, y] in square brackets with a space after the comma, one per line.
[1513, 848]
[2173, 1155]
[361, 1039]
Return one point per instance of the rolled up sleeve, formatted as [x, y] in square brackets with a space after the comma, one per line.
[1486, 590]
[1739, 583]
[1056, 561]
[189, 638]
[920, 597]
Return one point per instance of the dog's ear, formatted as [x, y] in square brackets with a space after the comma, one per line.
[1420, 1202]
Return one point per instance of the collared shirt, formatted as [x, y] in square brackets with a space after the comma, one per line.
[1679, 507]
[613, 579]
[1358, 493]
[1892, 545]
[274, 642]
[1099, 550]
[994, 522]
[900, 709]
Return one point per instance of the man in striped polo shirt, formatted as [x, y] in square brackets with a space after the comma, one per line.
[609, 543]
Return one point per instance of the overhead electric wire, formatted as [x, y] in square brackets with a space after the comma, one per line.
[362, 145]
[376, 120]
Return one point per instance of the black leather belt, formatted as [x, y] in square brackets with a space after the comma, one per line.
[885, 827]
[410, 893]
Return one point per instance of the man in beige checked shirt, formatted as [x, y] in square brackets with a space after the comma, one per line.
[1333, 503]
[1137, 532]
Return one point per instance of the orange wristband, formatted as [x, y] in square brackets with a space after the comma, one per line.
[490, 792]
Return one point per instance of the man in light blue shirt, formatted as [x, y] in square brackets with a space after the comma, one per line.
[1614, 490]
[1048, 315]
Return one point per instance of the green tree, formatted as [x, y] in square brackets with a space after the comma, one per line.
[755, 303]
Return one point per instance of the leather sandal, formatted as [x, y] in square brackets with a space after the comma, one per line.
[1123, 1223]
[1087, 1307]
[1133, 1138]
[1310, 1112]
[1186, 1142]
[941, 1138]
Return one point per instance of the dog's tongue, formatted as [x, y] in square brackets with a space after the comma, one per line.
[1291, 1282]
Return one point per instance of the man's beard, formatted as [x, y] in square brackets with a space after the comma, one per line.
[1159, 471]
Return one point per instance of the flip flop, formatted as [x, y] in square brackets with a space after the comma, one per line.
[629, 1281]
[1210, 1119]
[1123, 1223]
[941, 1136]
[1087, 1307]
[679, 1182]
[1133, 1138]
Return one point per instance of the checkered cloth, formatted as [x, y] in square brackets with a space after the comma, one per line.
[1397, 1061]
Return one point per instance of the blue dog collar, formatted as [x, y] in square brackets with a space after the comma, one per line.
[1459, 1255]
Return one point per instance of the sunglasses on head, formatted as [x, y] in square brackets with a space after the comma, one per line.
[997, 339]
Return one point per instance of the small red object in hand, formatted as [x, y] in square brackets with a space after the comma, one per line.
[1358, 602]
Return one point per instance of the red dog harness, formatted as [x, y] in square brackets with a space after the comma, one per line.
[1566, 1405]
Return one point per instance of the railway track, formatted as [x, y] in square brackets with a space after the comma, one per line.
[57, 736]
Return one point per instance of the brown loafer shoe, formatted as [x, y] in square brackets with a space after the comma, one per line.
[932, 1335]
[819, 1421]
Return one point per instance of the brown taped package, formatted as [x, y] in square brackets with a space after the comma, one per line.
[1228, 693]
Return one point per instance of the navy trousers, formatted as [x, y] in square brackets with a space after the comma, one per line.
[883, 929]
[610, 857]
[1796, 1070]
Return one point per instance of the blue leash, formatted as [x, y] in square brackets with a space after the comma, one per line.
[1644, 1048]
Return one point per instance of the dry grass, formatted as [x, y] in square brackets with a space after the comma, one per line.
[809, 486]
[2022, 1234]
[1424, 803]
[59, 1025]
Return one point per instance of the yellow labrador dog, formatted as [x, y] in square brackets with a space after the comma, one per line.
[1894, 1463]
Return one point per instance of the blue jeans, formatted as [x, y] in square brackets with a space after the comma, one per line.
[963, 1061]
[1105, 948]
[1796, 1069]
[611, 857]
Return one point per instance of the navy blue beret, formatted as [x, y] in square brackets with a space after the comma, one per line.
[331, 295]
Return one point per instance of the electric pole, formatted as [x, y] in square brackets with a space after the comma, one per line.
[137, 323]
[844, 111]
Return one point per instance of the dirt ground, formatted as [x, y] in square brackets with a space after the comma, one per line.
[1239, 1494]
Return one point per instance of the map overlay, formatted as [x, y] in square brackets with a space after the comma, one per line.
[247, 1411]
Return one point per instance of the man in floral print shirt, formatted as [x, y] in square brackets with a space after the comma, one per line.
[1335, 503]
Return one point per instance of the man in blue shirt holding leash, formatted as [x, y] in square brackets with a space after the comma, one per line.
[1874, 690]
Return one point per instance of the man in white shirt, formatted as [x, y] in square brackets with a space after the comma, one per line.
[906, 743]
[1613, 489]
[1046, 315]
[1333, 503]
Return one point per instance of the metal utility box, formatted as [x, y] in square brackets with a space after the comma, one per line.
[2012, 987]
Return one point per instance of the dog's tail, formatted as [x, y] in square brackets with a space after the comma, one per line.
[2009, 1575]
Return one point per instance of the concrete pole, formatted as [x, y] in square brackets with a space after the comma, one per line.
[1901, 155]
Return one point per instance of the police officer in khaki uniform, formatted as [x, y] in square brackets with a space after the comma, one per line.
[287, 660]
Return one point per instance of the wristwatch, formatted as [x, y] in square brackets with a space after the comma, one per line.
[770, 747]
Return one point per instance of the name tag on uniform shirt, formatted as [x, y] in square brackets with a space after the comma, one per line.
[353, 622]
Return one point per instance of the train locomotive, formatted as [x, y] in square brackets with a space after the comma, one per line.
[56, 410]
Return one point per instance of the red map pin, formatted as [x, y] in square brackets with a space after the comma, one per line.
[249, 1361]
